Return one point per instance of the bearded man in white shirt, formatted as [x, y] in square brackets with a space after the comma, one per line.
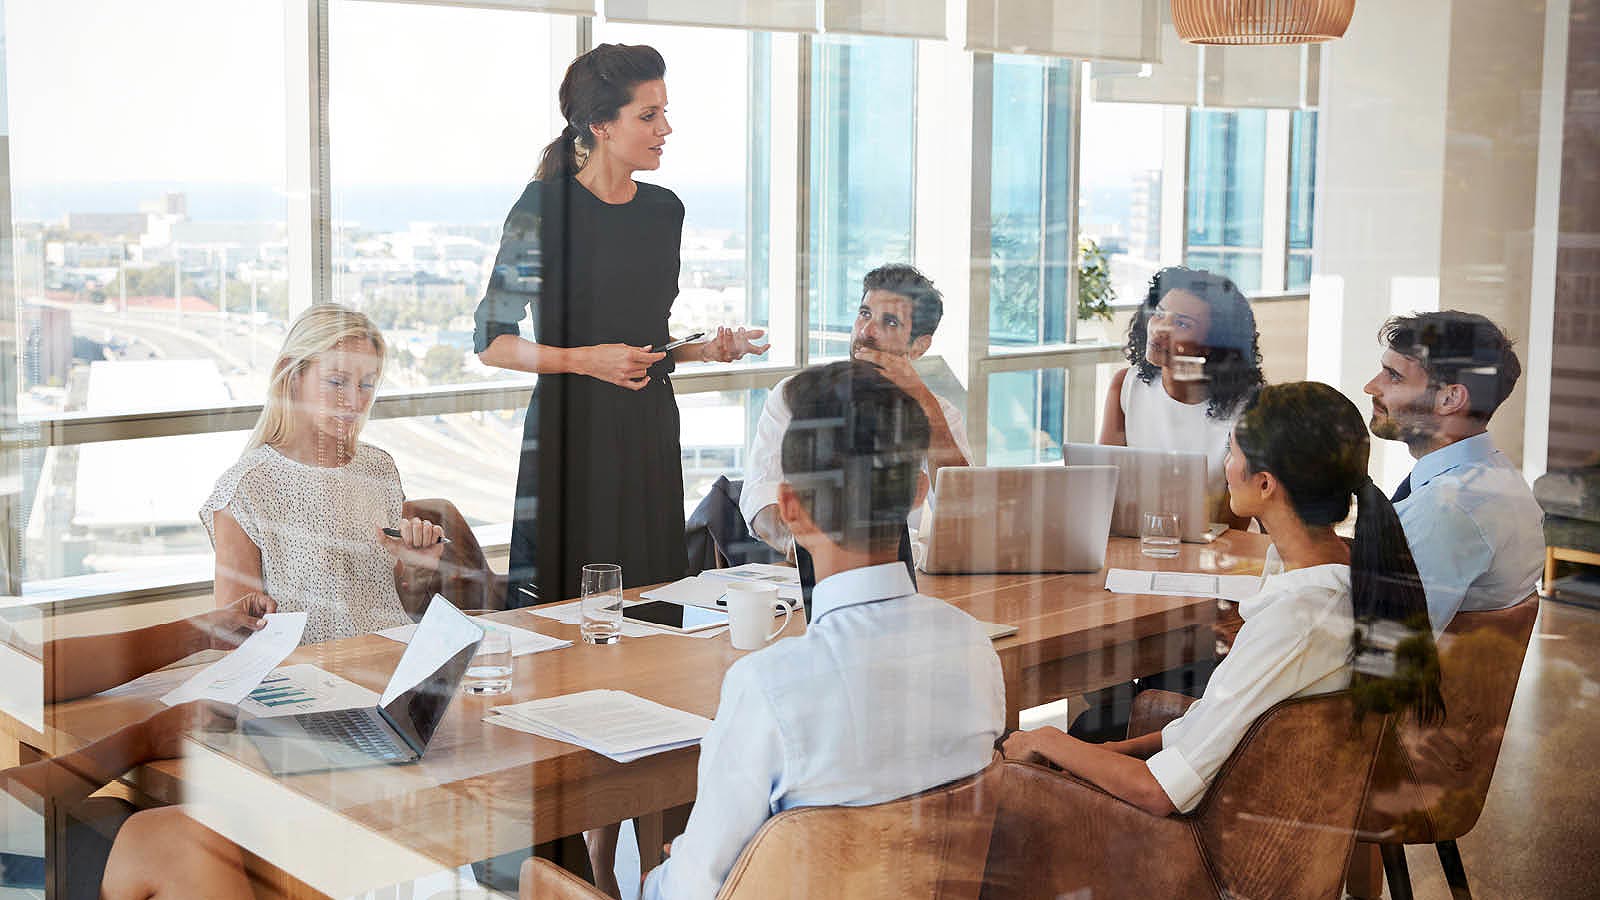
[899, 312]
[888, 693]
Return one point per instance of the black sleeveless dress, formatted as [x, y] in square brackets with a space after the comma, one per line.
[600, 478]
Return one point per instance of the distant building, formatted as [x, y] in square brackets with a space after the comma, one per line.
[109, 224]
[1144, 217]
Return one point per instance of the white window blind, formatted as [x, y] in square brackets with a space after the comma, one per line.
[568, 7]
[896, 18]
[1233, 77]
[762, 15]
[1127, 30]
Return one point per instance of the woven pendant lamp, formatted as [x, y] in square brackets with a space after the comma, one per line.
[1261, 21]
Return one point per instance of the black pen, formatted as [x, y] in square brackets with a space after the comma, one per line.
[395, 533]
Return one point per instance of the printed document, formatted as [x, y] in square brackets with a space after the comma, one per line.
[1182, 584]
[523, 641]
[615, 724]
[232, 677]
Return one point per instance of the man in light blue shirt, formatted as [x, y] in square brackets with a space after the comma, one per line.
[888, 693]
[1474, 527]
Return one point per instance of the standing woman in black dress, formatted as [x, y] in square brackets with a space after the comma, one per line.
[595, 254]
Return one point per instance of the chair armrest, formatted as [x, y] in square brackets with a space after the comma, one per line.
[544, 880]
[1152, 710]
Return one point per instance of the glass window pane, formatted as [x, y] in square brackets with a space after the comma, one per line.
[1030, 177]
[437, 120]
[148, 202]
[713, 168]
[1302, 196]
[862, 166]
[1227, 193]
[715, 435]
[1027, 415]
[1119, 191]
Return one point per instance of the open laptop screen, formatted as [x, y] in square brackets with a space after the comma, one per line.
[417, 712]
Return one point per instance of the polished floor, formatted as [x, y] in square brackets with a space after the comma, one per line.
[1539, 836]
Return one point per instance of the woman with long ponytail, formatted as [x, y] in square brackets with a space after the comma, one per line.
[1329, 615]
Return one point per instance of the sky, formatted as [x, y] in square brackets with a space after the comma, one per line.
[193, 91]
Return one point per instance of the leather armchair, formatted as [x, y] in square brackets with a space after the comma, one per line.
[1431, 781]
[929, 845]
[1278, 821]
[464, 576]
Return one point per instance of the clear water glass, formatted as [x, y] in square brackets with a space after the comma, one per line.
[602, 603]
[1159, 536]
[490, 670]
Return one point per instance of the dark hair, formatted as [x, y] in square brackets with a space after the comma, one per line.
[1233, 352]
[1314, 441]
[1456, 347]
[927, 304]
[597, 86]
[853, 451]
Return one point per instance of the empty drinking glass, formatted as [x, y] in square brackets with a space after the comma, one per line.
[490, 669]
[1158, 535]
[602, 603]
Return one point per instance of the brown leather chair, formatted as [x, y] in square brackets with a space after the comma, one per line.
[1430, 782]
[1278, 821]
[931, 845]
[464, 576]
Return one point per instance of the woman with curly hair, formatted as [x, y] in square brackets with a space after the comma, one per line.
[1172, 402]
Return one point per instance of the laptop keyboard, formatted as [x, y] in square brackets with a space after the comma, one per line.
[355, 729]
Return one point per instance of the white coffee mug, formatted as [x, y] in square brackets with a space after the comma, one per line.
[750, 613]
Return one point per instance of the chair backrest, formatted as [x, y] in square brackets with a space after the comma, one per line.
[1280, 818]
[1431, 781]
[931, 844]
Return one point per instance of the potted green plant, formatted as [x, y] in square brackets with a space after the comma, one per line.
[1095, 292]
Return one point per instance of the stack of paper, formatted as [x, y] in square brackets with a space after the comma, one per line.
[785, 578]
[231, 678]
[523, 641]
[1183, 584]
[615, 724]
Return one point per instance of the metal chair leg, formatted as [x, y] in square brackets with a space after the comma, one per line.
[1455, 874]
[1394, 868]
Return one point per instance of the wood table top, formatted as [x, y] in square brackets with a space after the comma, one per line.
[482, 790]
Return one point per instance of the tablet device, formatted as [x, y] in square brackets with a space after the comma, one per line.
[675, 616]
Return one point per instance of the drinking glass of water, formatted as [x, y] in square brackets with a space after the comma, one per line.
[602, 603]
[490, 669]
[1158, 535]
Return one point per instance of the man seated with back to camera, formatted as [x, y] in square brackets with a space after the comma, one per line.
[888, 693]
[899, 312]
[1474, 527]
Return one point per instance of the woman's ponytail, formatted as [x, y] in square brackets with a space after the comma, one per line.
[1392, 651]
[560, 158]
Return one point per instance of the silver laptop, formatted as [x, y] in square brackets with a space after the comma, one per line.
[1169, 481]
[396, 732]
[1051, 519]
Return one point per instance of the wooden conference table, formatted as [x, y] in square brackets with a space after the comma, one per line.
[484, 790]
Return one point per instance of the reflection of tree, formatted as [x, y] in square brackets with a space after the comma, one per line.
[442, 364]
[1014, 280]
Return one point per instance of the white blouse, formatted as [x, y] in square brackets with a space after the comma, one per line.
[1295, 642]
[1154, 420]
[317, 530]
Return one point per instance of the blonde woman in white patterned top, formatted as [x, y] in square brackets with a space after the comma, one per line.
[300, 516]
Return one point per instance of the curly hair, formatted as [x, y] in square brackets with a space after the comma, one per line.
[1233, 351]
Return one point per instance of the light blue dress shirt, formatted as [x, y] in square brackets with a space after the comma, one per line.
[1474, 529]
[888, 693]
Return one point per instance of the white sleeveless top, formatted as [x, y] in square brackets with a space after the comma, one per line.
[317, 530]
[1156, 421]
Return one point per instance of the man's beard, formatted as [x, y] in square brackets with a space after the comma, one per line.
[1411, 425]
